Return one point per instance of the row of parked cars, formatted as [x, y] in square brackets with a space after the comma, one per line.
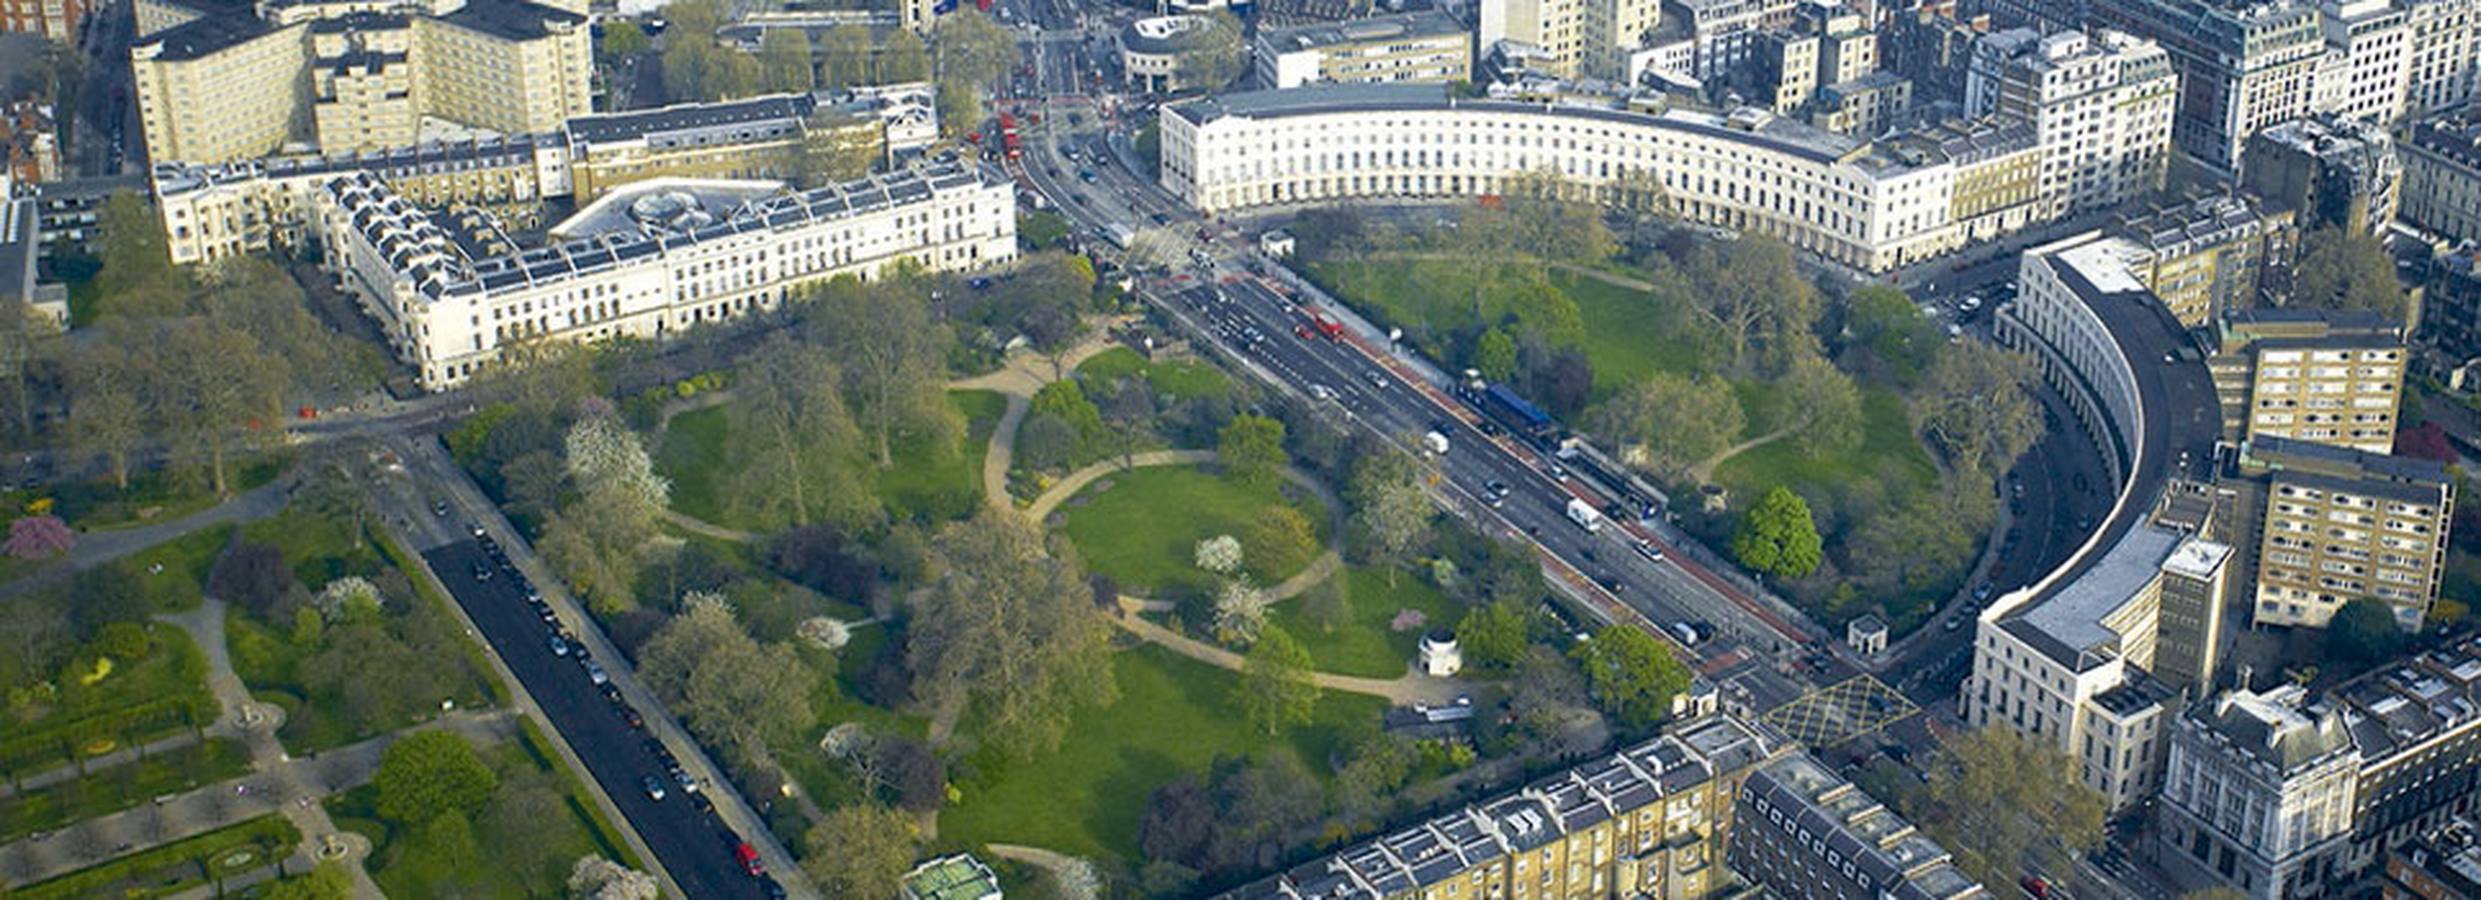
[673, 777]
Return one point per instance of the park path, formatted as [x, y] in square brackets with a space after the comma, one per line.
[1402, 690]
[1000, 455]
[94, 548]
[1703, 472]
[695, 525]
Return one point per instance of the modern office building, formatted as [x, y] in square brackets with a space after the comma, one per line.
[1427, 47]
[2101, 105]
[214, 212]
[2441, 156]
[2258, 796]
[2208, 254]
[1803, 831]
[1652, 820]
[2336, 172]
[348, 77]
[2339, 525]
[656, 258]
[1869, 205]
[2243, 65]
[2323, 376]
[2069, 659]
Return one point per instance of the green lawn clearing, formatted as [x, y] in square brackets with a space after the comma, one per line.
[1629, 334]
[1888, 454]
[925, 483]
[1365, 645]
[1142, 527]
[1174, 715]
[1179, 379]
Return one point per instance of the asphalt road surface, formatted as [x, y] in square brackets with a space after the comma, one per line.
[692, 843]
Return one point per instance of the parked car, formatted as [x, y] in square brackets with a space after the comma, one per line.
[559, 647]
[653, 786]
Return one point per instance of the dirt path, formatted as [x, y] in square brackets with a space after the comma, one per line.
[1000, 455]
[694, 525]
[1703, 472]
[1400, 691]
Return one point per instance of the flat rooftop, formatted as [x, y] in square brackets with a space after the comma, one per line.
[636, 124]
[1424, 24]
[2177, 424]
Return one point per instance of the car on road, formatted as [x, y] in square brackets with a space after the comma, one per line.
[1495, 492]
[439, 508]
[1984, 591]
[630, 715]
[1611, 583]
[1161, 218]
[681, 776]
[1686, 632]
[595, 673]
[482, 571]
[1646, 548]
[653, 786]
[559, 646]
[477, 529]
[1086, 175]
[747, 856]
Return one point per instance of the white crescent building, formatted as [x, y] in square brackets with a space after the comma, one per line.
[1872, 206]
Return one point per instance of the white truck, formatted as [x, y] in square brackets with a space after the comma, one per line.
[1434, 442]
[1585, 515]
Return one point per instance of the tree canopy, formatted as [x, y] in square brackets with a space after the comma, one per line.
[1276, 688]
[427, 774]
[2342, 269]
[1778, 537]
[1671, 423]
[2002, 803]
[1630, 675]
[1007, 636]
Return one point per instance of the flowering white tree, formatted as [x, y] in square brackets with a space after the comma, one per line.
[692, 601]
[1240, 612]
[603, 454]
[596, 878]
[340, 595]
[1220, 554]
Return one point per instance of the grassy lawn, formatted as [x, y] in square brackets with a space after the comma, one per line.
[1888, 453]
[153, 495]
[173, 867]
[137, 701]
[121, 787]
[1142, 527]
[1179, 379]
[924, 483]
[1629, 334]
[1364, 646]
[185, 561]
[551, 842]
[1174, 715]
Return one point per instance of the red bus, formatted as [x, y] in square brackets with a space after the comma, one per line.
[1008, 136]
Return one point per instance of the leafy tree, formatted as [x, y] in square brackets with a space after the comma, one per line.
[823, 559]
[1066, 400]
[1179, 824]
[1630, 674]
[595, 541]
[959, 108]
[2342, 269]
[2363, 632]
[2427, 440]
[2002, 803]
[1884, 323]
[1541, 308]
[216, 393]
[1006, 635]
[1281, 539]
[903, 58]
[1778, 537]
[38, 537]
[1252, 449]
[889, 354]
[253, 575]
[1047, 443]
[973, 50]
[1214, 60]
[1756, 291]
[1276, 687]
[1240, 612]
[798, 450]
[623, 39]
[137, 279]
[861, 850]
[1826, 407]
[728, 687]
[914, 770]
[1977, 403]
[1563, 384]
[1494, 355]
[255, 296]
[1671, 423]
[428, 774]
[1492, 637]
[376, 678]
[597, 878]
[107, 412]
[1390, 508]
[1925, 541]
[1265, 801]
[784, 56]
[845, 52]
